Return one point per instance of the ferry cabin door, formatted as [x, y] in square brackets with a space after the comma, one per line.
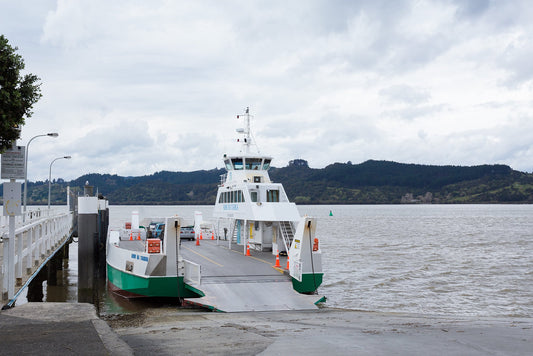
[267, 238]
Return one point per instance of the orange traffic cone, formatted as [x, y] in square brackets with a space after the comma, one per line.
[139, 237]
[197, 241]
[287, 262]
[201, 237]
[248, 249]
[212, 235]
[277, 260]
[131, 236]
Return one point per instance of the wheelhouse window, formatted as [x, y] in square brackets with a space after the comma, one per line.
[253, 163]
[237, 163]
[273, 196]
[266, 164]
[229, 167]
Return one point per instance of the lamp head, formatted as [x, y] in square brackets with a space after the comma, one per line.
[67, 157]
[52, 134]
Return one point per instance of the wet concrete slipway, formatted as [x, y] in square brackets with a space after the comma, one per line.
[75, 329]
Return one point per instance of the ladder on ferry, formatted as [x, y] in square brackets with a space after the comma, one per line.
[287, 233]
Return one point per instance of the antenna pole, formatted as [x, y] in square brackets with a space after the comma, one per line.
[248, 130]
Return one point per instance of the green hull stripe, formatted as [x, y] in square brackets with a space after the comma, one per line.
[197, 292]
[155, 286]
[309, 283]
[321, 300]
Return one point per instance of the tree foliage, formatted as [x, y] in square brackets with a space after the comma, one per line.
[371, 182]
[18, 93]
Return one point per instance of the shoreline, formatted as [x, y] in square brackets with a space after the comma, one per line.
[336, 331]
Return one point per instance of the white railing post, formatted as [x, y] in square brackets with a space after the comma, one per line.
[36, 247]
[29, 249]
[10, 253]
[49, 236]
[43, 241]
[20, 246]
[51, 243]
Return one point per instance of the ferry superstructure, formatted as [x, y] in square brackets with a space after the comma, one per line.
[258, 214]
[259, 211]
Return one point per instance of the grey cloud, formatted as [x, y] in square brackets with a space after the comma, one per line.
[405, 94]
[413, 112]
[471, 8]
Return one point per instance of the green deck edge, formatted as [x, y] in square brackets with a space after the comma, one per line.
[321, 300]
[153, 286]
[309, 284]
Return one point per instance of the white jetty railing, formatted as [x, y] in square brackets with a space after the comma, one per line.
[35, 240]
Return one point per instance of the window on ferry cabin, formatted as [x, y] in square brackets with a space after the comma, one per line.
[229, 167]
[253, 196]
[273, 196]
[253, 163]
[236, 196]
[237, 163]
[266, 164]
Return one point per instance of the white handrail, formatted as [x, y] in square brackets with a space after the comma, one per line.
[34, 241]
[192, 272]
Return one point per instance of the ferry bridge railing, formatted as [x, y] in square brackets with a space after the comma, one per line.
[36, 239]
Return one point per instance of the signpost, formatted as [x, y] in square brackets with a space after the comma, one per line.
[13, 163]
[12, 168]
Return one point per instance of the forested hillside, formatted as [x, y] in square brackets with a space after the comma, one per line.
[371, 182]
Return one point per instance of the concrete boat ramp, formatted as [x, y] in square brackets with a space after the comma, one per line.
[74, 329]
[234, 282]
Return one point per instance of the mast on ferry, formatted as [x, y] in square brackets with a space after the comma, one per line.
[245, 131]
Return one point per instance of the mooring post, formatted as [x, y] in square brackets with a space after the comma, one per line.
[101, 242]
[87, 227]
[52, 272]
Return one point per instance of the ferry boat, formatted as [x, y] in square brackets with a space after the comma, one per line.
[258, 214]
[220, 273]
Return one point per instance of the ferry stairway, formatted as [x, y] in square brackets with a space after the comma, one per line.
[287, 233]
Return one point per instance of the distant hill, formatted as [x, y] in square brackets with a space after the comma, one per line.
[371, 182]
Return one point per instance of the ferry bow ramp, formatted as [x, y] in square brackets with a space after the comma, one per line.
[247, 283]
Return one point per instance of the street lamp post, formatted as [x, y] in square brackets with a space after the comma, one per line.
[51, 134]
[50, 177]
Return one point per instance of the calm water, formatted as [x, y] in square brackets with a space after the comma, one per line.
[436, 259]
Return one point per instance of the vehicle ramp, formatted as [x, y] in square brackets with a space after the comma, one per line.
[252, 296]
[233, 282]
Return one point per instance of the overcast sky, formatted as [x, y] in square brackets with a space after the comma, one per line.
[136, 87]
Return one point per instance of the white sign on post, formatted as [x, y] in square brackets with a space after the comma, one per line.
[12, 201]
[13, 163]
